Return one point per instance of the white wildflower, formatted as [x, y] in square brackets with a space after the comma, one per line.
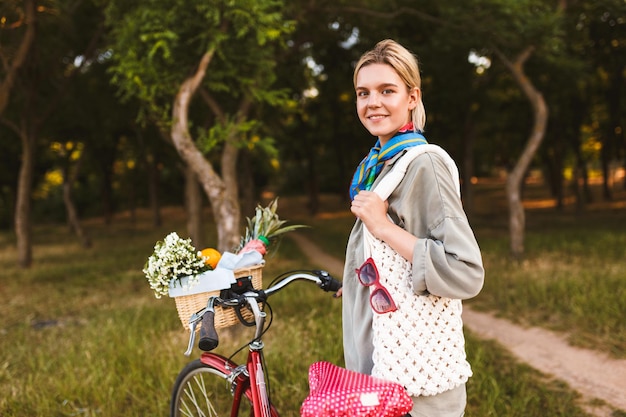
[173, 257]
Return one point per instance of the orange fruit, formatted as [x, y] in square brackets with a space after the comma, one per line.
[211, 256]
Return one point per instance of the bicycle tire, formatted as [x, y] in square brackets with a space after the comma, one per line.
[204, 390]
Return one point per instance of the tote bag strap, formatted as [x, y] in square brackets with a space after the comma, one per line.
[389, 183]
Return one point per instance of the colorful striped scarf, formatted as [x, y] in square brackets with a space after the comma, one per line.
[373, 163]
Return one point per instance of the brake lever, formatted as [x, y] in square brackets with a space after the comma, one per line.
[193, 322]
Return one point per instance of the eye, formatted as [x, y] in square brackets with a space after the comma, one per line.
[388, 91]
[362, 93]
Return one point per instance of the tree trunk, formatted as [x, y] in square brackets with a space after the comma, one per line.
[106, 193]
[614, 135]
[605, 161]
[153, 190]
[19, 57]
[624, 169]
[581, 184]
[32, 118]
[225, 205]
[150, 165]
[132, 200]
[69, 179]
[26, 132]
[467, 170]
[193, 205]
[553, 165]
[515, 179]
[247, 187]
[23, 203]
[313, 187]
[223, 198]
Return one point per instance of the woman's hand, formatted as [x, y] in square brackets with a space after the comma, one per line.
[371, 210]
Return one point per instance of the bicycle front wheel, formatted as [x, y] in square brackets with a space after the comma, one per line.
[203, 390]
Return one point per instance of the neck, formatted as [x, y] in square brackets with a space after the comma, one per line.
[408, 127]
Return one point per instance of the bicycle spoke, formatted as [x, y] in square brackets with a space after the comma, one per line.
[190, 393]
[192, 398]
[203, 391]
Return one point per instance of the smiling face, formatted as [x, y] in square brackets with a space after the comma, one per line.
[383, 101]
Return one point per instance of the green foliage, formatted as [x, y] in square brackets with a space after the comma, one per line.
[157, 44]
[263, 51]
[511, 23]
[243, 135]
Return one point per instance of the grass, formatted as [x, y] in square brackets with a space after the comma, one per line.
[82, 335]
[572, 277]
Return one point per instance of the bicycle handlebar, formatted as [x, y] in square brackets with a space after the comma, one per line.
[208, 335]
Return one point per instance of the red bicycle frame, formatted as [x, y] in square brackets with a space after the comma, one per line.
[248, 382]
[256, 392]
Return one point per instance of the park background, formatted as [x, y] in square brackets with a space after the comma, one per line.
[122, 121]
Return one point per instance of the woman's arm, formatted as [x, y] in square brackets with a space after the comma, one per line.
[433, 232]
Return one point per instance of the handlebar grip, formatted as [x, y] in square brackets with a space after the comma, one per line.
[208, 335]
[328, 283]
[334, 285]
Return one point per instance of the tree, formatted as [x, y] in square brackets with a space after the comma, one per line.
[45, 72]
[604, 29]
[517, 175]
[200, 76]
[73, 161]
[18, 21]
[220, 53]
[514, 31]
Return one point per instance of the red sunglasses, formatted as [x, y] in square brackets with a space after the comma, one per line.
[380, 299]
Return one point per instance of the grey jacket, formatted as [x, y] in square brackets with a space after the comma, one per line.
[446, 258]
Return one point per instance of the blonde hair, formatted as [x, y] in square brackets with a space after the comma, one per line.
[405, 64]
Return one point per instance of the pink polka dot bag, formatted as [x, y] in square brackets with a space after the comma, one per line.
[338, 392]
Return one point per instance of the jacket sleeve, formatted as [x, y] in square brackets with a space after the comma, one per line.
[446, 258]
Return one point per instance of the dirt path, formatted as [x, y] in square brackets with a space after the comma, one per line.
[593, 374]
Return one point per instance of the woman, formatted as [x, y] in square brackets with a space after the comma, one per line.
[424, 222]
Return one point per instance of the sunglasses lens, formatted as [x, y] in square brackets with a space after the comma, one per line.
[367, 274]
[381, 301]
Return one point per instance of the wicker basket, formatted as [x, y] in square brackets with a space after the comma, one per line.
[187, 305]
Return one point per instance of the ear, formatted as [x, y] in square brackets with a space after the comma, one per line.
[415, 95]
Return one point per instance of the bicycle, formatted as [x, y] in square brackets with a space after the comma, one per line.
[215, 385]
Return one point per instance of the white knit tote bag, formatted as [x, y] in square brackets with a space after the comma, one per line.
[421, 344]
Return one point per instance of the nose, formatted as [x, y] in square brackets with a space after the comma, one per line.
[373, 100]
